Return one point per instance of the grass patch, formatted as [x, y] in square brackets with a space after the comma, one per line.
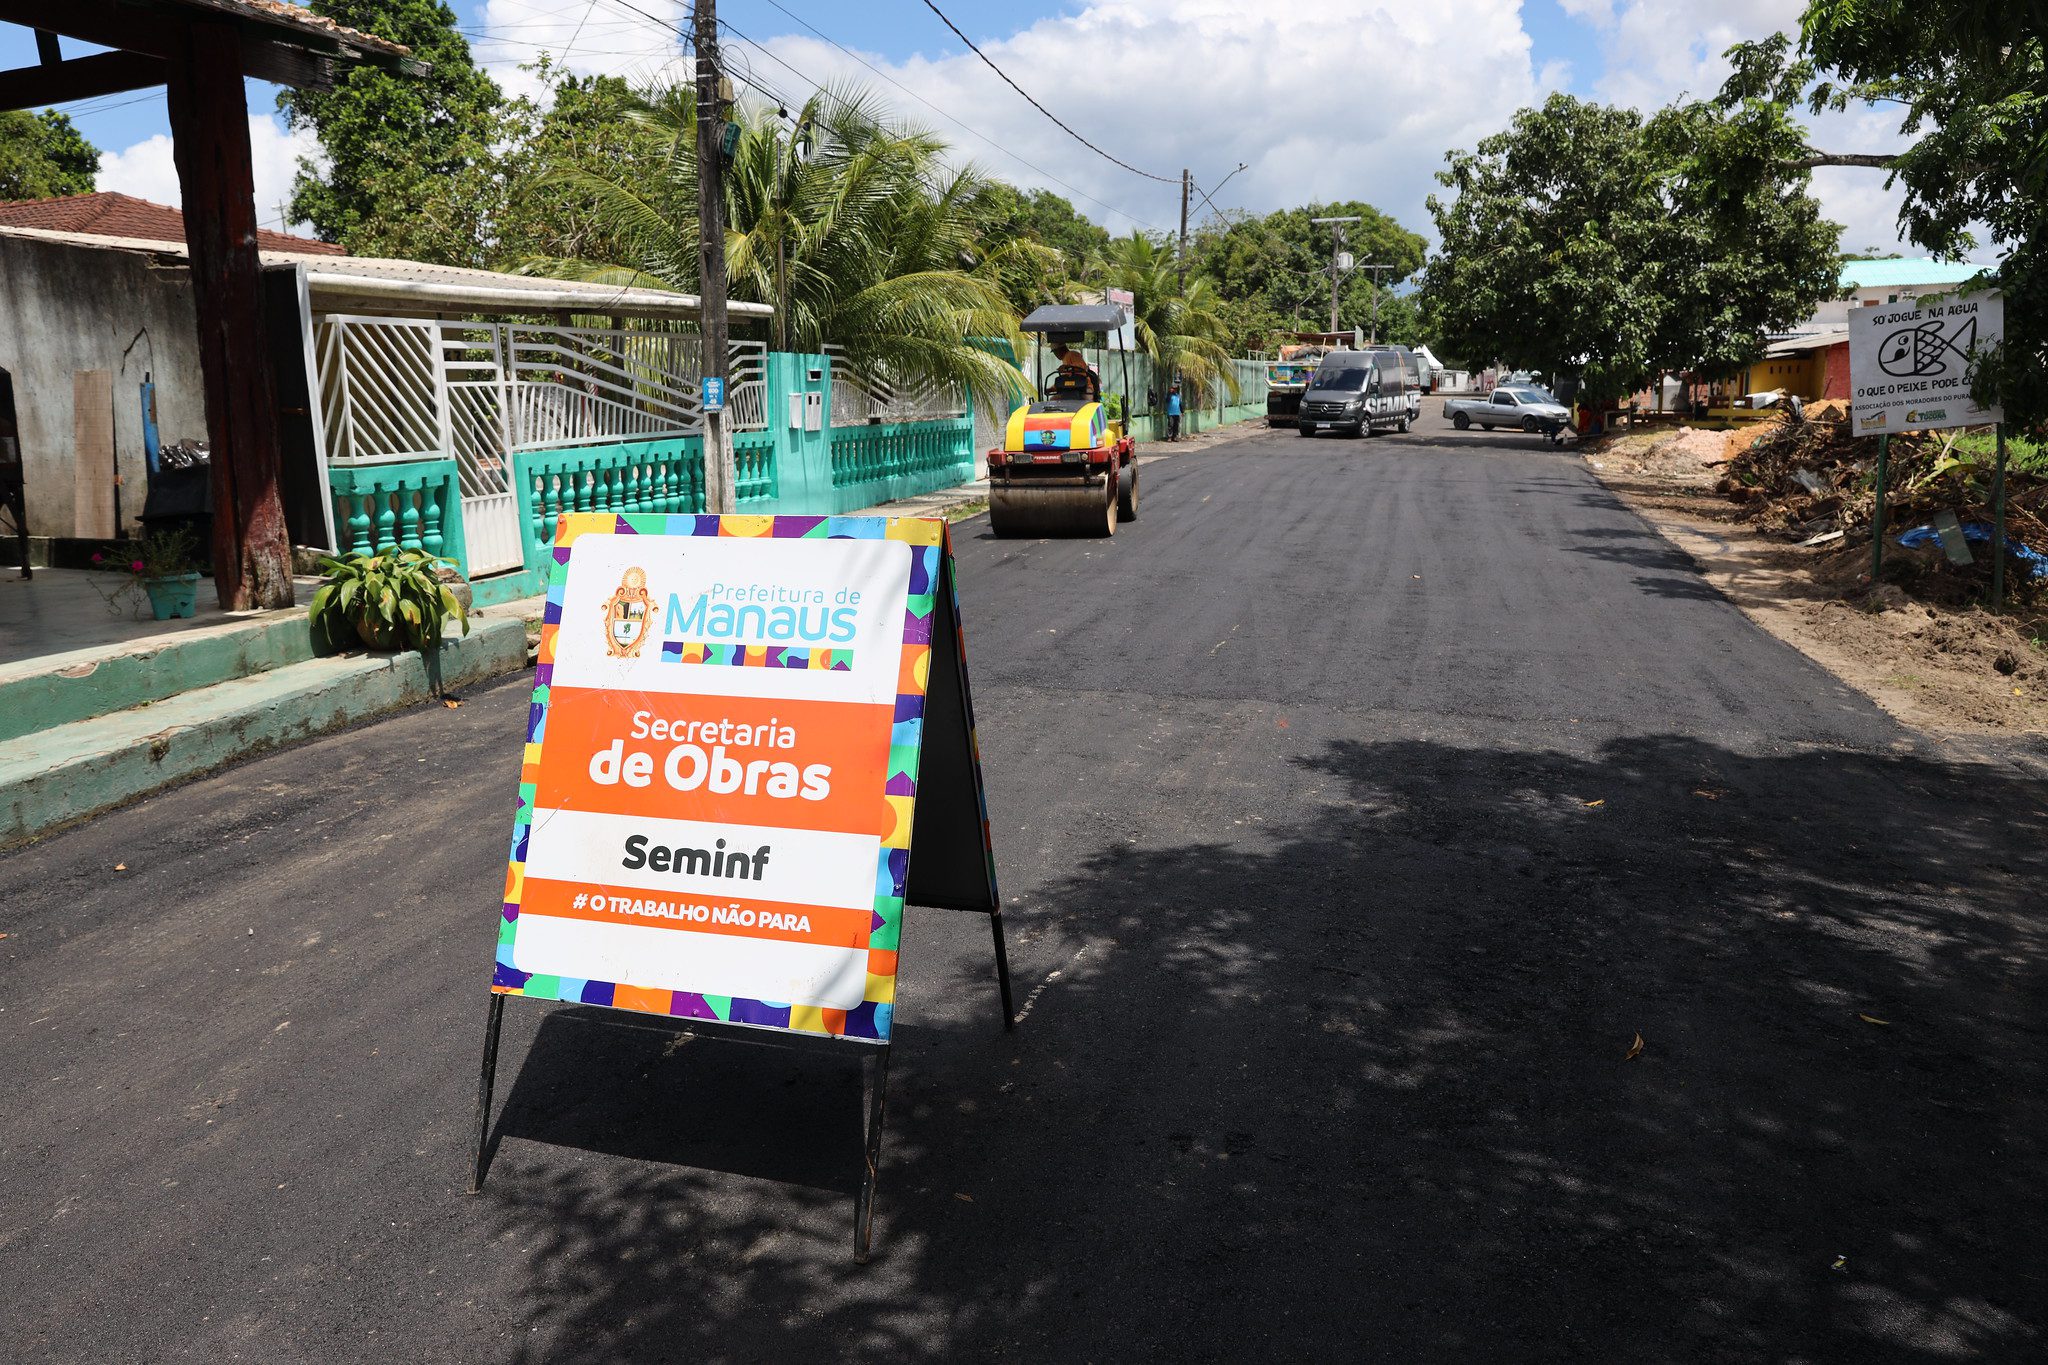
[2030, 457]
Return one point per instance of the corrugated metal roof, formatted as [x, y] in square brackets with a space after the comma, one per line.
[1816, 341]
[1905, 272]
[378, 284]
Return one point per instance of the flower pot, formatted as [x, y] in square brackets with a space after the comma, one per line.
[173, 595]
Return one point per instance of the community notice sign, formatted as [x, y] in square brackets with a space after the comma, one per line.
[738, 724]
[1909, 363]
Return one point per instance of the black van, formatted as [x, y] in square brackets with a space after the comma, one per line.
[1358, 393]
[1411, 371]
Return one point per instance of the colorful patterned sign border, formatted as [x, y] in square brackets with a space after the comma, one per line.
[756, 656]
[871, 1019]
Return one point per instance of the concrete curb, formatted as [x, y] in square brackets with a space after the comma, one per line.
[62, 775]
[42, 693]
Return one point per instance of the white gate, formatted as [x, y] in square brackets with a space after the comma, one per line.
[397, 389]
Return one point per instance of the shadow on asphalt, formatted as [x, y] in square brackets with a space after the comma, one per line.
[595, 1082]
[1360, 1091]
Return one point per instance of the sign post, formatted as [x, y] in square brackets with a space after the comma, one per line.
[1910, 369]
[743, 727]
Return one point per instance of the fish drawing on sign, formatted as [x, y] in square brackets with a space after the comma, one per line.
[1919, 351]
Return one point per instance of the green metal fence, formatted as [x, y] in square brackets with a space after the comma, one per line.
[413, 505]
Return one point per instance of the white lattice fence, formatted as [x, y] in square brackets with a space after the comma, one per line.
[861, 397]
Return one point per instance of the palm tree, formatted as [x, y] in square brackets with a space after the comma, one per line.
[847, 221]
[1181, 329]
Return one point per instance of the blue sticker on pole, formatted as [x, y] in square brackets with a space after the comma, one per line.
[714, 394]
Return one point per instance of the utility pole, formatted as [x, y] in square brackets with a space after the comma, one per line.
[711, 286]
[1337, 262]
[1376, 267]
[1185, 180]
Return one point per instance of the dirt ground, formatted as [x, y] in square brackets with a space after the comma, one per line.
[1942, 668]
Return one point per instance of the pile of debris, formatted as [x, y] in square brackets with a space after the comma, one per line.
[1806, 479]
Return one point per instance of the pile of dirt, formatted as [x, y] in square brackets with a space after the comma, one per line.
[1807, 479]
[1688, 456]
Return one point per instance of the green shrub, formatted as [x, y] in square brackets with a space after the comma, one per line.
[394, 600]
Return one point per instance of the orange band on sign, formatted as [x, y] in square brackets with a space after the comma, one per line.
[829, 926]
[705, 774]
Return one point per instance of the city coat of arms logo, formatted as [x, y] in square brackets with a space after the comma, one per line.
[628, 615]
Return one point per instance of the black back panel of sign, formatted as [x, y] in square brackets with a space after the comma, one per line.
[949, 864]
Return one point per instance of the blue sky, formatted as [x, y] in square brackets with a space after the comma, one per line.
[1339, 99]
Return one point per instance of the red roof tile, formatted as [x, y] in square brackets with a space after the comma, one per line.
[280, 14]
[108, 214]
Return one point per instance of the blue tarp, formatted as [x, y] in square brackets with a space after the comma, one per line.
[2037, 563]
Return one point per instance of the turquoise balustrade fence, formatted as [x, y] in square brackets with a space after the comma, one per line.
[414, 505]
[635, 476]
[874, 464]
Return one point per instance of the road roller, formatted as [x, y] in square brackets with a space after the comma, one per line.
[1068, 465]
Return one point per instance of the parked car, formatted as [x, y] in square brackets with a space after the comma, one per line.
[1356, 392]
[1511, 405]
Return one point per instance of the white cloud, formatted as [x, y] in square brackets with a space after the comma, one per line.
[590, 39]
[143, 170]
[146, 170]
[1659, 50]
[1354, 99]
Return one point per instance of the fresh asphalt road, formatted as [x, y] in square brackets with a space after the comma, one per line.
[1354, 809]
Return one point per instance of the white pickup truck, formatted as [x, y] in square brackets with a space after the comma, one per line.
[1511, 405]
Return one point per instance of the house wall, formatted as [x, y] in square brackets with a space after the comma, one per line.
[65, 308]
[1834, 369]
[1798, 374]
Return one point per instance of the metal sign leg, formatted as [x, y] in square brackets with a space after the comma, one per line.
[995, 920]
[876, 1073]
[485, 1079]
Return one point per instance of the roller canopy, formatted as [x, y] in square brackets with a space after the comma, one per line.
[1075, 317]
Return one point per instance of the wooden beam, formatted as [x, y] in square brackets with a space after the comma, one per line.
[269, 52]
[252, 558]
[104, 22]
[47, 51]
[103, 73]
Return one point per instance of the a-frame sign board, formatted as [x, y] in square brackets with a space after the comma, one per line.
[742, 730]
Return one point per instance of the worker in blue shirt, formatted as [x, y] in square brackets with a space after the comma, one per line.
[1173, 413]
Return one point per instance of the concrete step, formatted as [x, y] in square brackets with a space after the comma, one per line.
[50, 690]
[56, 776]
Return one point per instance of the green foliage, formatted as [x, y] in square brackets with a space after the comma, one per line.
[1972, 79]
[1276, 271]
[1072, 243]
[586, 121]
[168, 554]
[1181, 329]
[157, 554]
[42, 156]
[392, 600]
[851, 223]
[410, 159]
[1586, 240]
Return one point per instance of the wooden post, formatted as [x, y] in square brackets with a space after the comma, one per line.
[719, 493]
[252, 557]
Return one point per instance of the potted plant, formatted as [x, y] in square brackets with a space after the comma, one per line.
[393, 600]
[162, 562]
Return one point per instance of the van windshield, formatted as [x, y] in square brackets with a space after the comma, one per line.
[1351, 378]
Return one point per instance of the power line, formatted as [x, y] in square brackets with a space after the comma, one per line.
[1162, 179]
[957, 123]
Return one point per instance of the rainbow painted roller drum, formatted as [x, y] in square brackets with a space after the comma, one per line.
[1068, 465]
